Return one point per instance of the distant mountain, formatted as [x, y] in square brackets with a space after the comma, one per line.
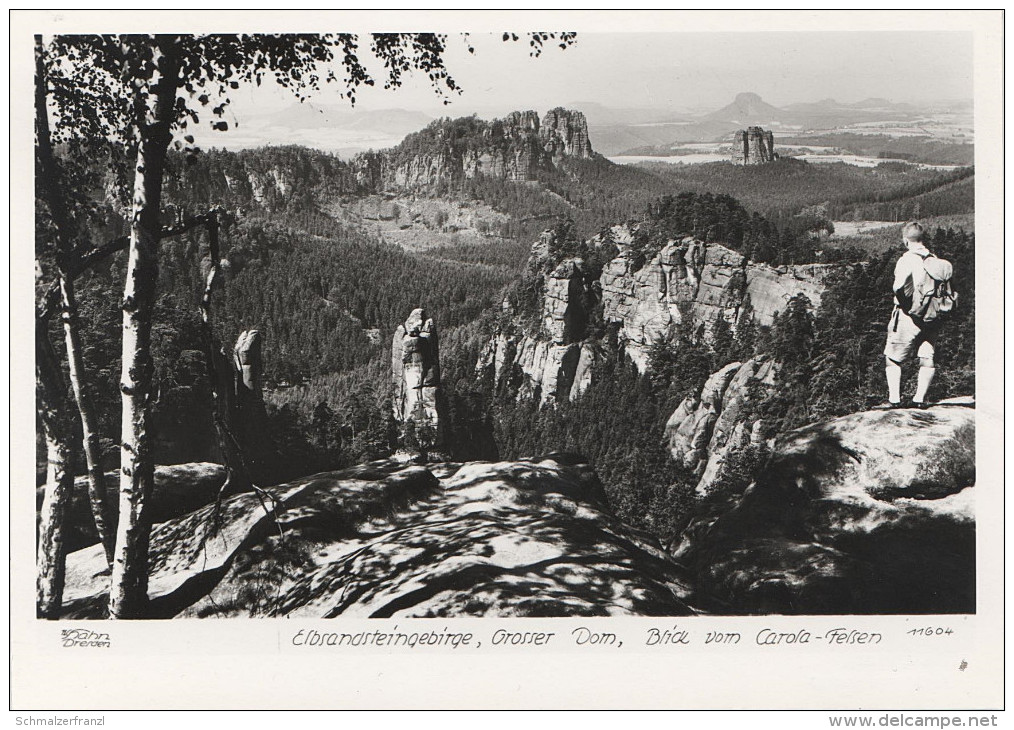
[809, 107]
[749, 109]
[835, 113]
[746, 109]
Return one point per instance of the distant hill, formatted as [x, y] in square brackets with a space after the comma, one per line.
[873, 104]
[602, 115]
[824, 118]
[748, 109]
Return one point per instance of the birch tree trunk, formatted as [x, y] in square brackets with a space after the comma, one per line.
[128, 593]
[101, 512]
[51, 556]
[50, 184]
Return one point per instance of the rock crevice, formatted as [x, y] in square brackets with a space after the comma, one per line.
[705, 428]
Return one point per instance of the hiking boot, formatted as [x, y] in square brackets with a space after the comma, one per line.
[889, 406]
[921, 405]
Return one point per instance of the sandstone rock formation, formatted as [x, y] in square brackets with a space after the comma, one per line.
[869, 513]
[564, 133]
[247, 413]
[512, 148]
[239, 404]
[415, 371]
[552, 363]
[753, 146]
[548, 371]
[705, 428]
[249, 361]
[687, 279]
[702, 281]
[526, 538]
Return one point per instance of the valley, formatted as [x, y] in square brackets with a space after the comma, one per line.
[614, 354]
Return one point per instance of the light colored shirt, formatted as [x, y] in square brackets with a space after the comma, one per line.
[909, 265]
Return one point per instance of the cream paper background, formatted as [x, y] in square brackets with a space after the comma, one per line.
[251, 663]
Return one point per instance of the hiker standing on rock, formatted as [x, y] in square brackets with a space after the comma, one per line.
[922, 298]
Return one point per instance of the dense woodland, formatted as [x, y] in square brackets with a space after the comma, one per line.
[831, 361]
[328, 296]
[781, 189]
[922, 149]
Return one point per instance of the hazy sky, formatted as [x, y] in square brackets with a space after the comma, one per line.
[683, 71]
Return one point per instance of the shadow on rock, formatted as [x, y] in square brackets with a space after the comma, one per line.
[869, 513]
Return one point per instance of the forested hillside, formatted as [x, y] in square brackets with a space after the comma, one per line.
[328, 294]
[913, 148]
[781, 189]
[831, 364]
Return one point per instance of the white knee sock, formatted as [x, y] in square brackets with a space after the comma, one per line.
[923, 382]
[893, 381]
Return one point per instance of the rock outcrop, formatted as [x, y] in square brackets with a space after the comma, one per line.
[249, 363]
[415, 371]
[564, 133]
[687, 280]
[702, 281]
[553, 362]
[247, 413]
[705, 428]
[869, 513]
[449, 151]
[527, 538]
[753, 146]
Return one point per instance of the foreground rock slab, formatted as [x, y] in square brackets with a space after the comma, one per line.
[527, 538]
[869, 513]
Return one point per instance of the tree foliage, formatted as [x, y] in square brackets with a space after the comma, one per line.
[140, 93]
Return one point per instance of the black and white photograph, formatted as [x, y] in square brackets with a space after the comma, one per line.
[674, 322]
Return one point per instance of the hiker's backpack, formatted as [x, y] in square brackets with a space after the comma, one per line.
[932, 296]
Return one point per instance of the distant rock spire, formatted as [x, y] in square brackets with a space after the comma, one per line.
[248, 360]
[564, 133]
[753, 146]
[415, 373]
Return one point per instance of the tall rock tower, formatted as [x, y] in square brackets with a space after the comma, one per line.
[753, 146]
[564, 133]
[247, 413]
[415, 373]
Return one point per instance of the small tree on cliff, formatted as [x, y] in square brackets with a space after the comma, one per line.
[143, 91]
